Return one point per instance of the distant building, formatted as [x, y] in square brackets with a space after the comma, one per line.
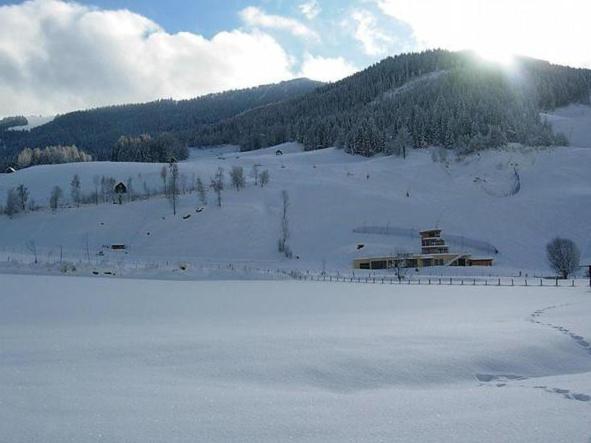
[279, 152]
[120, 190]
[9, 170]
[434, 252]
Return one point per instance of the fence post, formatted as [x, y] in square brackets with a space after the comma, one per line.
[429, 282]
[573, 284]
[451, 282]
[541, 282]
[499, 282]
[526, 282]
[512, 282]
[462, 282]
[556, 281]
[485, 282]
[474, 282]
[439, 282]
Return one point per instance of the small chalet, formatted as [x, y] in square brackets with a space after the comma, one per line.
[434, 252]
[9, 170]
[120, 190]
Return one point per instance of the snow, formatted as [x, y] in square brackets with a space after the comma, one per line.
[574, 121]
[331, 196]
[33, 122]
[86, 359]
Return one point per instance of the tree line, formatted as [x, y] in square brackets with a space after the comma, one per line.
[50, 156]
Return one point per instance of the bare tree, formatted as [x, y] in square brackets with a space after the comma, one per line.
[163, 175]
[217, 184]
[55, 197]
[255, 174]
[201, 192]
[264, 178]
[283, 247]
[237, 177]
[563, 255]
[12, 203]
[96, 181]
[32, 247]
[75, 190]
[173, 188]
[23, 196]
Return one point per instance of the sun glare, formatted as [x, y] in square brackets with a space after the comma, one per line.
[497, 55]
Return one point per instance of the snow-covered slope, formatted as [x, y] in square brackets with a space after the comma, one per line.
[574, 121]
[136, 360]
[331, 195]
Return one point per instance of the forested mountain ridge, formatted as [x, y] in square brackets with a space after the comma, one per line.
[451, 99]
[97, 130]
[437, 97]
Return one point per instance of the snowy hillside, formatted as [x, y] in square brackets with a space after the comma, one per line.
[574, 121]
[332, 194]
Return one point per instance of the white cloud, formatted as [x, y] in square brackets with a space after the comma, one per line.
[372, 38]
[57, 56]
[310, 9]
[558, 32]
[326, 69]
[254, 16]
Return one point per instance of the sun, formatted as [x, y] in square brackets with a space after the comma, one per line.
[495, 54]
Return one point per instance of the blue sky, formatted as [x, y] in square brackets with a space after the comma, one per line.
[86, 53]
[333, 21]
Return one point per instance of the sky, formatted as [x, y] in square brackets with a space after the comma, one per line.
[57, 56]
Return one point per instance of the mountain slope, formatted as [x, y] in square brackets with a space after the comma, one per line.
[335, 198]
[438, 97]
[97, 130]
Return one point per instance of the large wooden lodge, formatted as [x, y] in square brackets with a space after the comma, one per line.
[434, 252]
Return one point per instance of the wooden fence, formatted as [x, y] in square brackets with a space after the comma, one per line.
[446, 281]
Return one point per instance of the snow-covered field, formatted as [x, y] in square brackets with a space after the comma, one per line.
[132, 360]
[332, 194]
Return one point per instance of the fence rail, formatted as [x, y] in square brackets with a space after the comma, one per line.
[447, 281]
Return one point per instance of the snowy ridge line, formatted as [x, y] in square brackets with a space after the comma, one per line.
[457, 240]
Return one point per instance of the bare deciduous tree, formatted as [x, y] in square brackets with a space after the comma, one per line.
[96, 181]
[12, 203]
[237, 177]
[75, 190]
[32, 247]
[163, 175]
[255, 174]
[23, 196]
[264, 178]
[283, 247]
[173, 187]
[217, 184]
[201, 192]
[563, 256]
[55, 197]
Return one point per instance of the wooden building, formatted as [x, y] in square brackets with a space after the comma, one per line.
[434, 252]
